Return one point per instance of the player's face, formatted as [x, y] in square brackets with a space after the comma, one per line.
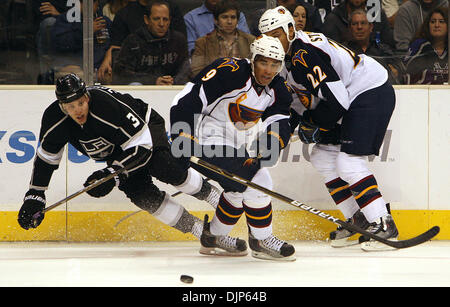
[78, 109]
[265, 69]
[281, 35]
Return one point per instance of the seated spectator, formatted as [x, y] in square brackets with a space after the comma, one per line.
[362, 42]
[313, 15]
[390, 7]
[153, 54]
[128, 20]
[46, 12]
[111, 7]
[427, 61]
[336, 23]
[410, 17]
[200, 21]
[67, 40]
[300, 14]
[225, 41]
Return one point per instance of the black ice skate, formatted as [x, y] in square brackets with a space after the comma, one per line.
[220, 245]
[384, 227]
[271, 248]
[340, 237]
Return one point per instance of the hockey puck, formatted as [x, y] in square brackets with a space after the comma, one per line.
[187, 279]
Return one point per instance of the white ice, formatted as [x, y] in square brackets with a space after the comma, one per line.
[160, 264]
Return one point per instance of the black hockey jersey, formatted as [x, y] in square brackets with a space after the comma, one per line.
[229, 105]
[119, 129]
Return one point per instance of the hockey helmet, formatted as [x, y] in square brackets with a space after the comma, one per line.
[267, 46]
[69, 88]
[276, 18]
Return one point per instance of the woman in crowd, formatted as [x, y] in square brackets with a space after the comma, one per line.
[427, 59]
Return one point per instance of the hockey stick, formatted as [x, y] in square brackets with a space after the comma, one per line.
[85, 189]
[426, 236]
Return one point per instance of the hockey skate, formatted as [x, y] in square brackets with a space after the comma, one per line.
[271, 248]
[218, 245]
[384, 227]
[341, 236]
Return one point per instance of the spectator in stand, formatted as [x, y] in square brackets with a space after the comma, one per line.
[46, 12]
[200, 21]
[362, 42]
[153, 54]
[67, 41]
[111, 8]
[224, 41]
[313, 15]
[427, 61]
[336, 23]
[410, 16]
[300, 14]
[126, 21]
[390, 7]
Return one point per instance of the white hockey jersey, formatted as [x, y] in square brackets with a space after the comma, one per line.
[229, 107]
[329, 71]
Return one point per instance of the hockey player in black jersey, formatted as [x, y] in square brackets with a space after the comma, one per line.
[122, 130]
[214, 118]
[350, 89]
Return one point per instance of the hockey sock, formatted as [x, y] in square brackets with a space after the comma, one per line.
[228, 212]
[369, 198]
[259, 221]
[342, 196]
[174, 215]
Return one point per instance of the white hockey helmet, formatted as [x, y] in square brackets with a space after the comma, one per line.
[276, 18]
[267, 46]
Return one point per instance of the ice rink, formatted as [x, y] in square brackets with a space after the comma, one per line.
[160, 264]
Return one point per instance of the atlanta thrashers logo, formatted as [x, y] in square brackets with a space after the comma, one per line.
[298, 57]
[242, 116]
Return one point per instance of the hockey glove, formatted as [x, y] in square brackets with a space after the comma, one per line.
[308, 131]
[33, 202]
[294, 120]
[106, 187]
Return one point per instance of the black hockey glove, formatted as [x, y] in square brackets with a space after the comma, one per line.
[33, 202]
[311, 133]
[106, 187]
[294, 120]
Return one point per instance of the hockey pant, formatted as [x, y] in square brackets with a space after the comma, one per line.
[141, 190]
[350, 183]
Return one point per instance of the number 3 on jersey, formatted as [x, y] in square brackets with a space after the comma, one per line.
[318, 76]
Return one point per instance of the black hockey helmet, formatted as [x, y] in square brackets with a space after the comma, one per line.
[69, 88]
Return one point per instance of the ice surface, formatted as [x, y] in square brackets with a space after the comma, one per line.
[160, 264]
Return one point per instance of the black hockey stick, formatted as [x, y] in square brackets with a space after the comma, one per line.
[89, 187]
[426, 236]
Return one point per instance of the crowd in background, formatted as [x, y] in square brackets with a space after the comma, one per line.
[168, 42]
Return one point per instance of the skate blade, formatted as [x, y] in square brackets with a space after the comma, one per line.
[375, 246]
[344, 242]
[212, 251]
[265, 256]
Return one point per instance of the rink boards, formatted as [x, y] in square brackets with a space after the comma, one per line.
[412, 173]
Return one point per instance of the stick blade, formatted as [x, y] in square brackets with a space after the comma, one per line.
[424, 237]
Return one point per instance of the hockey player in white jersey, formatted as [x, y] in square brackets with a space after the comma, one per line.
[350, 89]
[122, 130]
[214, 117]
